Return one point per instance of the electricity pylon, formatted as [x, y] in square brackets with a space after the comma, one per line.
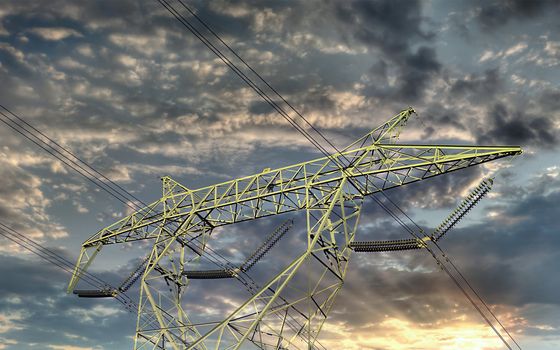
[281, 314]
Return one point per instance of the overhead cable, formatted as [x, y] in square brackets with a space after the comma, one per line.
[261, 93]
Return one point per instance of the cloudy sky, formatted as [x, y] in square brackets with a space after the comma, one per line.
[134, 94]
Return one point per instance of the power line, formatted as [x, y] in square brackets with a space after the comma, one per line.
[239, 73]
[120, 196]
[25, 129]
[63, 154]
[74, 162]
[70, 153]
[260, 92]
[48, 252]
[68, 158]
[59, 261]
[112, 188]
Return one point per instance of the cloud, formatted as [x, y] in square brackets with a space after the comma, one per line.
[478, 87]
[44, 306]
[494, 14]
[509, 126]
[550, 100]
[489, 55]
[22, 197]
[55, 34]
[552, 48]
[373, 24]
[131, 92]
[71, 347]
[516, 49]
[395, 334]
[410, 287]
[90, 315]
[10, 321]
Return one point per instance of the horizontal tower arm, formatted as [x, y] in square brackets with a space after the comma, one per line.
[371, 169]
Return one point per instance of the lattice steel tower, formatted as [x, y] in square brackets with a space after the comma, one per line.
[289, 310]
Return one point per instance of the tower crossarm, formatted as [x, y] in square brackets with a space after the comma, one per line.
[370, 169]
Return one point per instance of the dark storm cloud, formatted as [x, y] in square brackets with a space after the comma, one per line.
[478, 88]
[380, 290]
[496, 13]
[508, 125]
[391, 28]
[550, 100]
[436, 115]
[416, 74]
